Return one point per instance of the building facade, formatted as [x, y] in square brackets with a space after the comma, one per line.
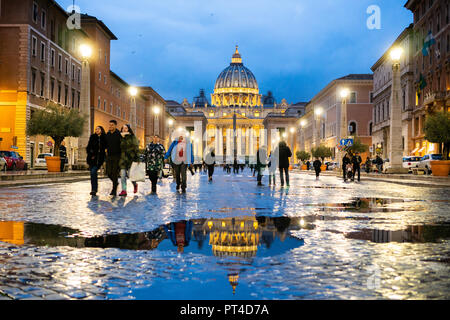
[382, 86]
[39, 64]
[321, 123]
[235, 116]
[431, 55]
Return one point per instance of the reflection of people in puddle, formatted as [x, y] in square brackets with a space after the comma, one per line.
[179, 233]
[136, 241]
[281, 223]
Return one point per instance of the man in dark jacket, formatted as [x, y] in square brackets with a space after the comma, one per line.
[356, 161]
[63, 155]
[113, 139]
[284, 153]
[345, 162]
[317, 167]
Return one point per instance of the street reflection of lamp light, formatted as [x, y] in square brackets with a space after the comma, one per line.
[302, 222]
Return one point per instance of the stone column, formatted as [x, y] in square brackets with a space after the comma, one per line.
[85, 109]
[395, 136]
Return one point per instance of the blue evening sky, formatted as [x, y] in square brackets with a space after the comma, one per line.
[293, 47]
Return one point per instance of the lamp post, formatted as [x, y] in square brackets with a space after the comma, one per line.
[302, 128]
[156, 111]
[395, 139]
[343, 131]
[85, 103]
[318, 116]
[133, 91]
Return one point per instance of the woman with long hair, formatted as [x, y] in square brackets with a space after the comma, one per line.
[96, 156]
[129, 147]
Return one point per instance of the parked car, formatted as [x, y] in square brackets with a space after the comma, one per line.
[411, 162]
[14, 161]
[425, 161]
[2, 164]
[40, 162]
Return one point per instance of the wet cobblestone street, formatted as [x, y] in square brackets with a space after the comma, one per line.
[321, 239]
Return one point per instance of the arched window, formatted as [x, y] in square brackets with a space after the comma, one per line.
[352, 128]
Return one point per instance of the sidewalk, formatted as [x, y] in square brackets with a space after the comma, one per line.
[404, 179]
[35, 177]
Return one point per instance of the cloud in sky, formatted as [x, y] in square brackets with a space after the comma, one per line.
[294, 47]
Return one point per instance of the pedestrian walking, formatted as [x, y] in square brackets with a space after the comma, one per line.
[308, 165]
[368, 164]
[356, 161]
[182, 155]
[96, 154]
[129, 147]
[113, 139]
[272, 165]
[317, 164]
[63, 155]
[345, 162]
[235, 166]
[261, 162]
[210, 162]
[154, 160]
[379, 163]
[284, 153]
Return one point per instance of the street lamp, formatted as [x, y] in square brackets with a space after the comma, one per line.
[396, 54]
[318, 113]
[85, 99]
[133, 91]
[343, 131]
[303, 124]
[395, 139]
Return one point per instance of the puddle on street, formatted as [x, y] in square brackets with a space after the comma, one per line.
[244, 237]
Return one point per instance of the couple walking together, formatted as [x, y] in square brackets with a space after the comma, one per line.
[120, 149]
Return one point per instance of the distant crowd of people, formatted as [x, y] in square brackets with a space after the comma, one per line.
[120, 149]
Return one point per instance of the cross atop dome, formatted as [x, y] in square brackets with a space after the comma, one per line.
[236, 56]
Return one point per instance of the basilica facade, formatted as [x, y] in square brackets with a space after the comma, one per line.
[237, 118]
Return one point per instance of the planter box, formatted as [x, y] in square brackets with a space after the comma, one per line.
[440, 168]
[53, 164]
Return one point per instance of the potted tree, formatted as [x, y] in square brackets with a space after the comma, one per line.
[357, 146]
[437, 130]
[303, 156]
[58, 123]
[322, 152]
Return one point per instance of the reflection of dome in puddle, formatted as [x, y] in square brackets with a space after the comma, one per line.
[234, 237]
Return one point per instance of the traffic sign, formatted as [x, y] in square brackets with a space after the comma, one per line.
[346, 142]
[50, 144]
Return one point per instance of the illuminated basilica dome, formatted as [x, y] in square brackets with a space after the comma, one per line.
[236, 86]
